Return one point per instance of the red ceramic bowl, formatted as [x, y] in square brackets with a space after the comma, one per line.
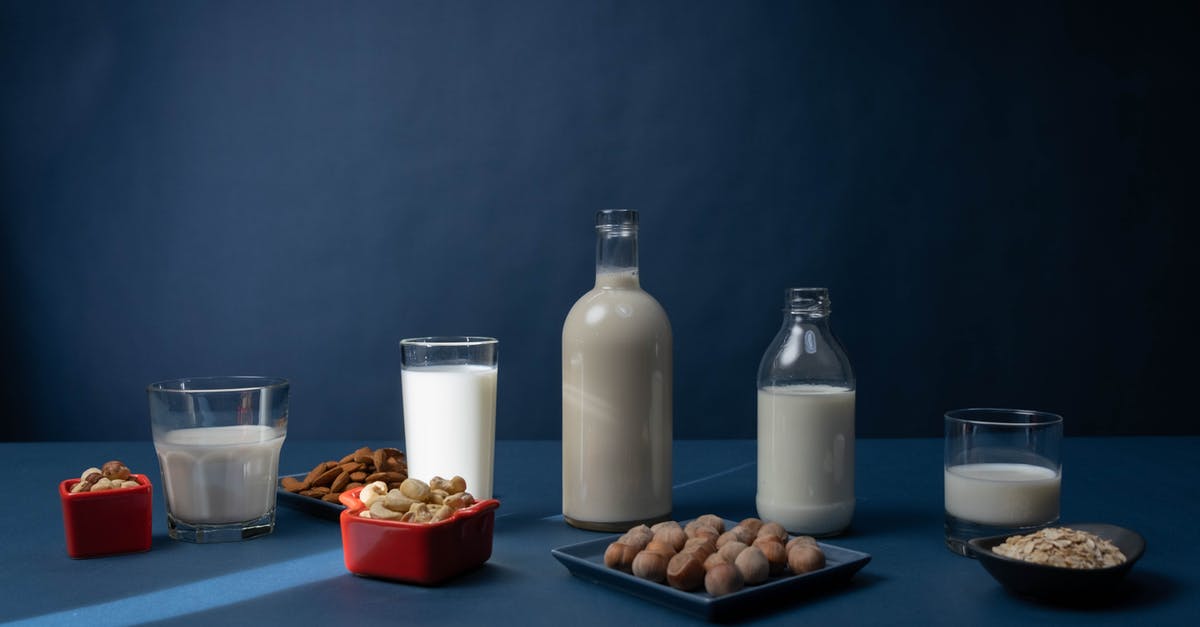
[106, 522]
[423, 553]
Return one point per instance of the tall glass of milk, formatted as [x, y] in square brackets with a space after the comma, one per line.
[218, 442]
[448, 385]
[1002, 473]
[806, 421]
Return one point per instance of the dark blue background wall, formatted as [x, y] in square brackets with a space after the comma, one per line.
[1000, 199]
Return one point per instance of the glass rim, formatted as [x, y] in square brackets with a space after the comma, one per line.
[1032, 417]
[449, 340]
[218, 384]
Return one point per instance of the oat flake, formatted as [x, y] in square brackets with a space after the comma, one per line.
[1063, 547]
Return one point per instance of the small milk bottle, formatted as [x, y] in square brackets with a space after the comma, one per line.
[616, 392]
[806, 421]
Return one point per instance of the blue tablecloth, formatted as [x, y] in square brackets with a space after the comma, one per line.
[297, 575]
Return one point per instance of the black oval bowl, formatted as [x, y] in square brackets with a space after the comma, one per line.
[1039, 580]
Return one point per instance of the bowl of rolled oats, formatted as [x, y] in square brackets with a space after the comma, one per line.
[1063, 561]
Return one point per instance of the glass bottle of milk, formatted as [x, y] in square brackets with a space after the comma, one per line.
[616, 392]
[806, 421]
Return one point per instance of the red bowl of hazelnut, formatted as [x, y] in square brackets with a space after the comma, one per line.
[423, 533]
[106, 511]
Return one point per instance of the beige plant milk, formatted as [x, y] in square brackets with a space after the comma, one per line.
[616, 377]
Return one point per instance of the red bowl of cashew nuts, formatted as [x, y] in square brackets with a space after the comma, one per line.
[422, 553]
[107, 522]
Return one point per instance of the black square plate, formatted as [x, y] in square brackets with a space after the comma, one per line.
[307, 504]
[586, 561]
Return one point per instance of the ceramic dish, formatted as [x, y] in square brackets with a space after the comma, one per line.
[307, 504]
[1039, 580]
[423, 553]
[586, 561]
[106, 522]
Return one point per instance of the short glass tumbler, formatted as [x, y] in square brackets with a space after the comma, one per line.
[1002, 473]
[218, 442]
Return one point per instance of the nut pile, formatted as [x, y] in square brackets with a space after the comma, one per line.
[329, 479]
[416, 501]
[114, 475]
[704, 554]
[1062, 547]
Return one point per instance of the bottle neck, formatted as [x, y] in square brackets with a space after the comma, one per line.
[616, 257]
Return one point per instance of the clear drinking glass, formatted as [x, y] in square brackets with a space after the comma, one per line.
[218, 441]
[449, 389]
[1002, 473]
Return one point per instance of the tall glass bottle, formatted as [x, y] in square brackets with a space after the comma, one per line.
[806, 421]
[617, 380]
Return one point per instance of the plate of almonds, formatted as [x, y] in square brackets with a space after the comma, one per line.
[713, 568]
[1061, 562]
[316, 492]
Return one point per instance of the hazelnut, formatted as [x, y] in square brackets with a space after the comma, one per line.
[773, 550]
[639, 536]
[685, 571]
[800, 540]
[620, 556]
[705, 546]
[713, 560]
[731, 550]
[714, 521]
[115, 470]
[703, 531]
[773, 529]
[660, 547]
[673, 536]
[650, 565]
[753, 566]
[723, 579]
[753, 524]
[805, 559]
[666, 524]
[743, 534]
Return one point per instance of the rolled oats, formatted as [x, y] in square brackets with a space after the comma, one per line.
[1062, 547]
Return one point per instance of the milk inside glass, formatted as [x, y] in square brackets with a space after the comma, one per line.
[218, 475]
[806, 457]
[450, 423]
[1002, 494]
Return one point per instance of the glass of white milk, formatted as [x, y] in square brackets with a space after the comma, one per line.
[449, 389]
[1002, 473]
[218, 441]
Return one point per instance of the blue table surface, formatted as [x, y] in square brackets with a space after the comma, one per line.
[296, 574]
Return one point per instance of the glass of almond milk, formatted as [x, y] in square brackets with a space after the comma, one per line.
[448, 385]
[218, 442]
[1002, 473]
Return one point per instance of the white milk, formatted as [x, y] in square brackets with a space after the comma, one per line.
[806, 457]
[616, 378]
[450, 423]
[1002, 495]
[218, 475]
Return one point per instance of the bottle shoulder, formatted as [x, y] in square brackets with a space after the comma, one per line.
[607, 309]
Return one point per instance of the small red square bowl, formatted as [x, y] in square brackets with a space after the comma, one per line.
[107, 522]
[422, 553]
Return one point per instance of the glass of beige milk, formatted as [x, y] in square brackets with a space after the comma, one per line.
[218, 442]
[1002, 473]
[448, 385]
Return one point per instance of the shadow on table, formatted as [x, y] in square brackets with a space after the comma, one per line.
[873, 518]
[1139, 590]
[810, 596]
[352, 599]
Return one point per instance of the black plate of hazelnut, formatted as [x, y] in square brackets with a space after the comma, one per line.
[713, 568]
